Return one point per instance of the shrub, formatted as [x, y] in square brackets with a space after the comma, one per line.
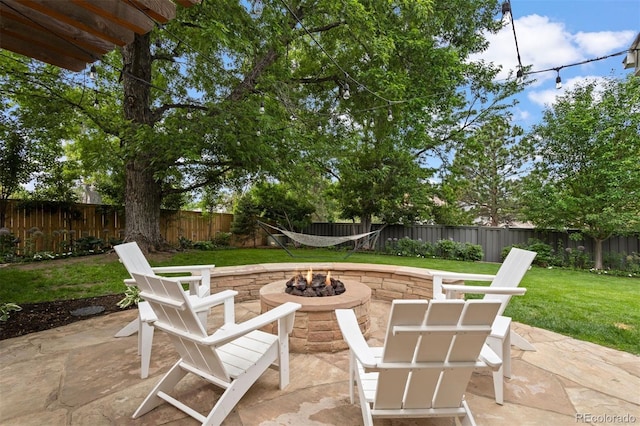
[446, 249]
[409, 248]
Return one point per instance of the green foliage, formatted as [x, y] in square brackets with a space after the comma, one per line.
[245, 218]
[280, 204]
[588, 173]
[6, 309]
[131, 297]
[8, 245]
[483, 178]
[408, 247]
[444, 249]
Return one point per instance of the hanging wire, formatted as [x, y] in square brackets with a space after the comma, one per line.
[346, 74]
[506, 8]
[586, 61]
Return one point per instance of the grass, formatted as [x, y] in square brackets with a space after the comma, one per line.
[596, 308]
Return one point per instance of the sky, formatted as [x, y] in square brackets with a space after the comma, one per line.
[557, 33]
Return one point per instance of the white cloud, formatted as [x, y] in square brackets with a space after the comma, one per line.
[544, 43]
[548, 97]
[603, 42]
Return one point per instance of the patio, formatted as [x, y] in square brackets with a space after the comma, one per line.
[81, 374]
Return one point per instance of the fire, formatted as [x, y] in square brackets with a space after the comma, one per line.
[327, 280]
[309, 277]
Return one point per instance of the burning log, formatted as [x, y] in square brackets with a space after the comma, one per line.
[314, 285]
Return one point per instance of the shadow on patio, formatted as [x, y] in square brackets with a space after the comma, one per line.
[81, 374]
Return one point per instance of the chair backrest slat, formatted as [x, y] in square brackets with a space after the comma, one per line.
[177, 317]
[133, 259]
[453, 346]
[511, 272]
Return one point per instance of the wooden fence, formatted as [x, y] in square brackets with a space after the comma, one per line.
[47, 226]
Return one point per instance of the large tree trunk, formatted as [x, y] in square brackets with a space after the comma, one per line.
[143, 194]
[598, 253]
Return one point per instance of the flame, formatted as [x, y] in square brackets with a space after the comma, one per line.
[309, 276]
[327, 280]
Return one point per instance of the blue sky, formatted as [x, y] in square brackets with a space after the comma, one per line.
[555, 33]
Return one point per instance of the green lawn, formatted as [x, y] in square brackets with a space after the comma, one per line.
[596, 308]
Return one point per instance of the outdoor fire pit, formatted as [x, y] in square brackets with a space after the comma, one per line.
[315, 328]
[314, 285]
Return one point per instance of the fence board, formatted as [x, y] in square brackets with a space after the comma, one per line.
[53, 227]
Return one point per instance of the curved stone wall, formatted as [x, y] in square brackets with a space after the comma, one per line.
[387, 282]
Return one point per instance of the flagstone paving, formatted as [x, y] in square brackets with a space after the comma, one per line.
[80, 374]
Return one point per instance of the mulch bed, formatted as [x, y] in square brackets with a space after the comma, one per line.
[42, 316]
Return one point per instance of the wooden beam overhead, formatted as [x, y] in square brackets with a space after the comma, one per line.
[71, 33]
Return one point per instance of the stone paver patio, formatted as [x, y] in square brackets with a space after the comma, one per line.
[81, 375]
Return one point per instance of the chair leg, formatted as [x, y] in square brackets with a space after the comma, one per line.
[520, 342]
[502, 349]
[128, 329]
[166, 385]
[229, 399]
[145, 345]
[467, 419]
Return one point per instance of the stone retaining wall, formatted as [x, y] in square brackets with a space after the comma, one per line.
[387, 282]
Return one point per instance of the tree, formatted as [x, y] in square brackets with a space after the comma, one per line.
[285, 207]
[180, 108]
[486, 169]
[30, 140]
[587, 176]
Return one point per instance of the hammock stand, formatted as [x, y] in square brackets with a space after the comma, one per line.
[320, 240]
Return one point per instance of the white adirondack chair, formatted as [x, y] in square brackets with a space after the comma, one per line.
[503, 285]
[430, 351]
[199, 286]
[232, 358]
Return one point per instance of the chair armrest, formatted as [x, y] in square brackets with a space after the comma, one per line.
[447, 275]
[178, 269]
[225, 296]
[199, 303]
[439, 276]
[198, 284]
[229, 332]
[452, 289]
[352, 334]
[489, 357]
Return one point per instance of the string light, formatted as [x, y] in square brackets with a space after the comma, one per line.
[506, 8]
[389, 114]
[92, 72]
[256, 8]
[262, 107]
[345, 91]
[558, 80]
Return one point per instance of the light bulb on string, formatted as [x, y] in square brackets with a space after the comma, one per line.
[92, 72]
[345, 93]
[258, 132]
[372, 123]
[262, 107]
[389, 115]
[558, 81]
[96, 104]
[189, 115]
[256, 8]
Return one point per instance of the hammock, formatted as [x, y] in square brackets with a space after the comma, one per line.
[316, 240]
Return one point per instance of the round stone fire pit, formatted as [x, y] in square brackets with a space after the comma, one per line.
[315, 328]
